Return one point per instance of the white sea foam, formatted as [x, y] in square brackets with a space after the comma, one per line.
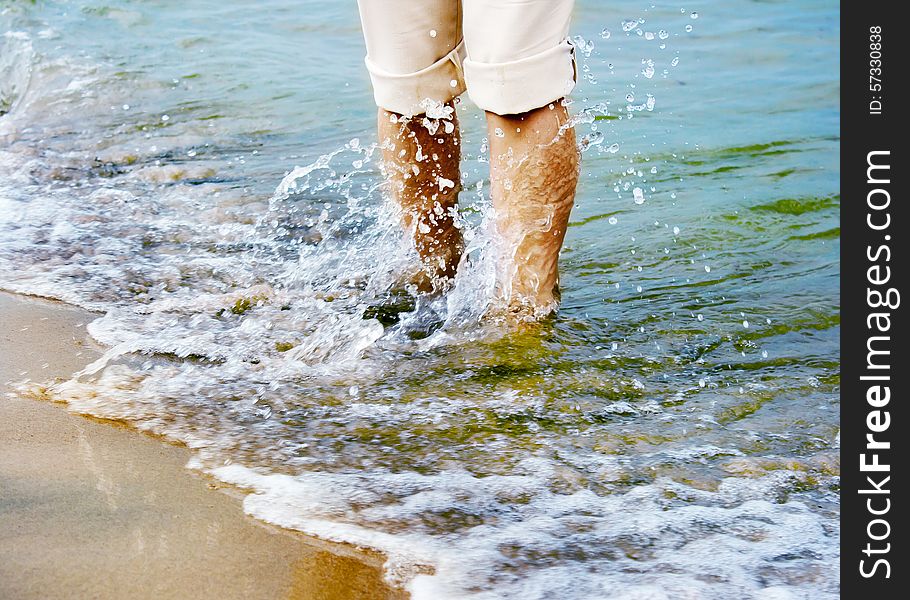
[638, 542]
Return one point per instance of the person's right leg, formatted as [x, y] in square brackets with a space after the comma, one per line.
[519, 67]
[533, 174]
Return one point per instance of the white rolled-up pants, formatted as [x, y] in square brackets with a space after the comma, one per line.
[511, 56]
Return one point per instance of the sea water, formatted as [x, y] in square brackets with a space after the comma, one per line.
[204, 175]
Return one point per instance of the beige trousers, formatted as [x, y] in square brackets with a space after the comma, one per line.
[511, 56]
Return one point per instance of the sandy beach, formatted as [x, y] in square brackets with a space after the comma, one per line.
[92, 509]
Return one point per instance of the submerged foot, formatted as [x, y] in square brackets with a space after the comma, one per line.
[522, 310]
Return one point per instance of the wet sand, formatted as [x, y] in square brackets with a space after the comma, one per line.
[92, 509]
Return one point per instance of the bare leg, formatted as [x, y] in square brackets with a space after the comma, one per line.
[421, 160]
[534, 171]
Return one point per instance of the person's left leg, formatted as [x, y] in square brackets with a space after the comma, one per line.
[421, 159]
[414, 56]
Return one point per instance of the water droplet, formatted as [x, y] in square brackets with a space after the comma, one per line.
[649, 35]
[499, 132]
[592, 139]
[453, 83]
[764, 354]
[432, 33]
[191, 153]
[630, 97]
[688, 28]
[353, 390]
[648, 71]
[676, 231]
[674, 62]
[746, 324]
[694, 15]
[663, 34]
[612, 220]
[638, 289]
[629, 25]
[702, 383]
[707, 269]
[638, 196]
[605, 34]
[653, 169]
[700, 317]
[613, 149]
[165, 118]
[126, 107]
[584, 46]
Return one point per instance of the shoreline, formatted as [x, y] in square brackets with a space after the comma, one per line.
[94, 508]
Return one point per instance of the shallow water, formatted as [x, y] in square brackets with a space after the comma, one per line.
[204, 174]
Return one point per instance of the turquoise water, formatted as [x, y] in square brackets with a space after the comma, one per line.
[203, 174]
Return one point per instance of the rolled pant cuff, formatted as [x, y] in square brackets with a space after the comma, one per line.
[407, 94]
[520, 86]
